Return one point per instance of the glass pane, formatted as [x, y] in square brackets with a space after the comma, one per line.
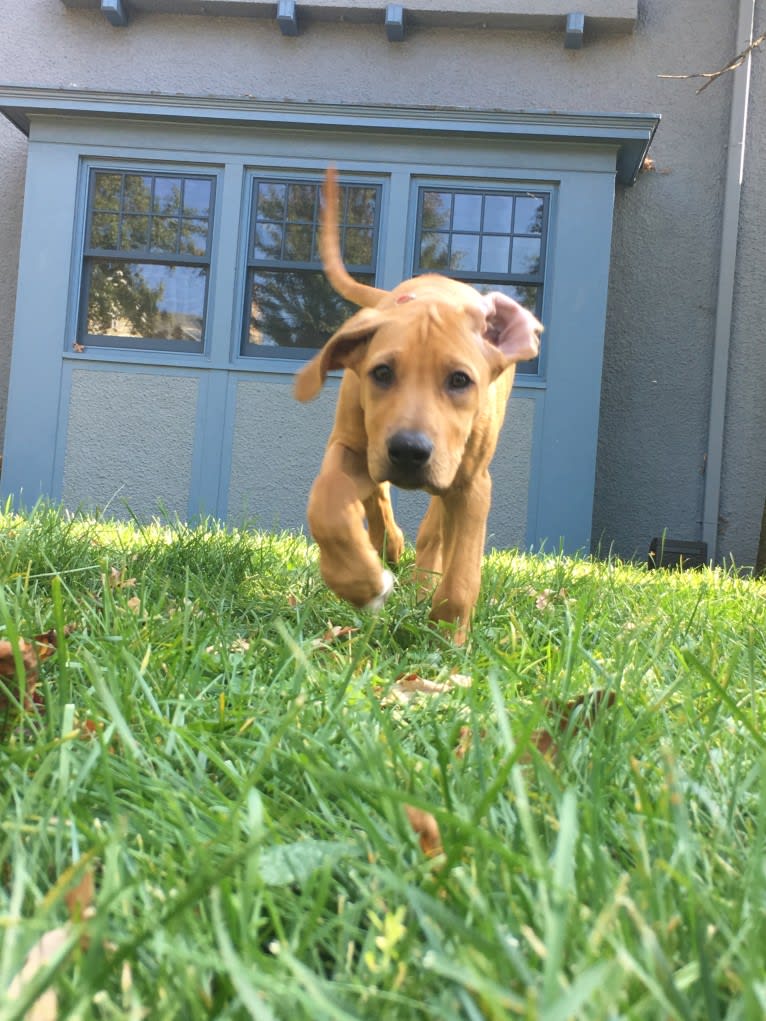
[194, 236]
[167, 195]
[495, 252]
[434, 251]
[498, 212]
[467, 212]
[361, 206]
[138, 193]
[293, 309]
[106, 191]
[268, 241]
[465, 253]
[357, 247]
[301, 199]
[271, 201]
[135, 232]
[197, 197]
[437, 206]
[529, 216]
[164, 234]
[103, 230]
[135, 299]
[298, 243]
[526, 255]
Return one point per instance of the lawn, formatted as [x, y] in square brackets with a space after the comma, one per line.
[230, 795]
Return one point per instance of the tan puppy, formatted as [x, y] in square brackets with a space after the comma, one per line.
[430, 367]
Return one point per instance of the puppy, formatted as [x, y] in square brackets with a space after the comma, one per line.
[429, 368]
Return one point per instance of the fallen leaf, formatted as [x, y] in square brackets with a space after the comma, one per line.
[548, 595]
[564, 718]
[45, 1007]
[116, 579]
[465, 741]
[427, 829]
[78, 348]
[134, 604]
[409, 686]
[79, 900]
[332, 634]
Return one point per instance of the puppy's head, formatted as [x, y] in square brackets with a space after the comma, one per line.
[424, 368]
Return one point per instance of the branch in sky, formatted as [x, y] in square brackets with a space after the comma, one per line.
[711, 76]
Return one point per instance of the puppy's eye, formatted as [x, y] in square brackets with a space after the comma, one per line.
[383, 375]
[458, 381]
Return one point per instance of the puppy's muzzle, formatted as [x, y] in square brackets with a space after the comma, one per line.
[409, 453]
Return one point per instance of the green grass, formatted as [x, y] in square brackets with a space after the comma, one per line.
[235, 786]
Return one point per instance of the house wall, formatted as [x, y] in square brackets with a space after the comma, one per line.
[657, 361]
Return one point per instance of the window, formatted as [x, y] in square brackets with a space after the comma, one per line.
[494, 240]
[146, 260]
[290, 307]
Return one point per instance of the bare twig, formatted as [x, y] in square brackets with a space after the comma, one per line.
[712, 76]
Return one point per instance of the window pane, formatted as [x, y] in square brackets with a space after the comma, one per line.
[293, 309]
[104, 230]
[465, 253]
[467, 212]
[301, 199]
[164, 234]
[194, 237]
[271, 201]
[298, 243]
[361, 206]
[357, 247]
[197, 197]
[106, 191]
[135, 232]
[526, 256]
[138, 193]
[437, 207]
[529, 216]
[268, 241]
[495, 252]
[434, 251]
[498, 212]
[167, 195]
[134, 299]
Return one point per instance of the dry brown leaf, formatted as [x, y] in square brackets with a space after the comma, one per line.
[409, 686]
[332, 634]
[563, 718]
[45, 1007]
[465, 741]
[78, 348]
[79, 900]
[134, 604]
[427, 829]
[116, 579]
[545, 598]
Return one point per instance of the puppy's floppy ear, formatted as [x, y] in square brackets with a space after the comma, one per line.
[342, 351]
[510, 328]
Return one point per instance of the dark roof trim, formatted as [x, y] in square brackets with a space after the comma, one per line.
[630, 133]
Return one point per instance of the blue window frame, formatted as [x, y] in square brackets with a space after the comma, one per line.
[146, 260]
[493, 239]
[290, 308]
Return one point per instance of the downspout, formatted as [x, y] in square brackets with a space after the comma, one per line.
[735, 162]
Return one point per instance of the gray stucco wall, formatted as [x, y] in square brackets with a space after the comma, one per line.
[664, 265]
[129, 443]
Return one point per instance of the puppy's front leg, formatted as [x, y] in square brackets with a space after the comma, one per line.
[386, 536]
[349, 564]
[464, 528]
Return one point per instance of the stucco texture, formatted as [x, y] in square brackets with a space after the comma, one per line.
[129, 443]
[654, 405]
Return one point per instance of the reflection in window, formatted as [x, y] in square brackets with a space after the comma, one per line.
[290, 306]
[494, 240]
[146, 260]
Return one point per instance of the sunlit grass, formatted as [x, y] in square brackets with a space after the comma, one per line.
[233, 778]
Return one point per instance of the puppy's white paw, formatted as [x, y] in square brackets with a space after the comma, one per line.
[388, 587]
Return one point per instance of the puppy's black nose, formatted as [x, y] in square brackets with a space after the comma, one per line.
[409, 450]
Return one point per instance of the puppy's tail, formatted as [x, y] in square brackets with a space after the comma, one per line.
[329, 248]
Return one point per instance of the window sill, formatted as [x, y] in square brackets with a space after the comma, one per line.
[612, 16]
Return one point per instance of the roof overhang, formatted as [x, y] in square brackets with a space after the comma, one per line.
[630, 133]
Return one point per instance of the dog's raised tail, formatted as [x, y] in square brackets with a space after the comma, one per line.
[329, 248]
